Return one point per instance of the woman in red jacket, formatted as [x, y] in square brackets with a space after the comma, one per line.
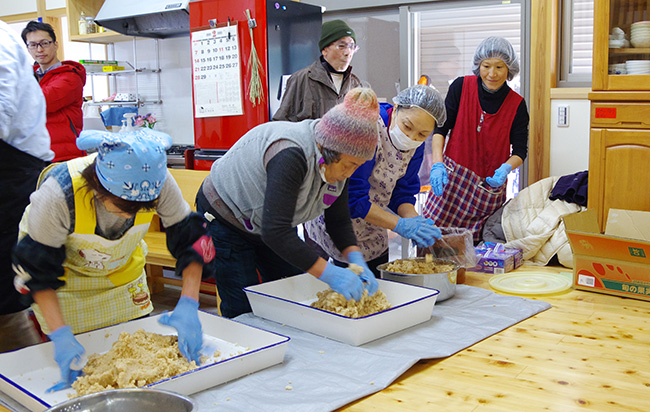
[62, 83]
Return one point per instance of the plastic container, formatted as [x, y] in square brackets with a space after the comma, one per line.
[525, 283]
[287, 301]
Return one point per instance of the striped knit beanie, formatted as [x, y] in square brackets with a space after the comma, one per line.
[351, 127]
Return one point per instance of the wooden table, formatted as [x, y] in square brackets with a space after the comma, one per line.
[589, 352]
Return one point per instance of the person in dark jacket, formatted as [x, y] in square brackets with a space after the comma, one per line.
[312, 91]
[62, 83]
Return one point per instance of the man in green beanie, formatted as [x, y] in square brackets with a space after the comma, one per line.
[312, 91]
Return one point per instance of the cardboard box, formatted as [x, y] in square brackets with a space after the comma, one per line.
[498, 262]
[608, 263]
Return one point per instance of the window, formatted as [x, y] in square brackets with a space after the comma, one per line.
[444, 39]
[576, 42]
[447, 36]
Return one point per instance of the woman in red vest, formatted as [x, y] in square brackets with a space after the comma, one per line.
[489, 138]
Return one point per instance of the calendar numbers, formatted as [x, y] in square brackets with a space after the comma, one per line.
[217, 75]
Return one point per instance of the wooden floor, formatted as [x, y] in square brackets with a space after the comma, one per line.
[589, 352]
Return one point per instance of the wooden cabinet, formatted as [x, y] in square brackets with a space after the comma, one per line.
[619, 153]
[90, 8]
[609, 14]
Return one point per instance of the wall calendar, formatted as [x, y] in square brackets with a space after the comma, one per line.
[216, 72]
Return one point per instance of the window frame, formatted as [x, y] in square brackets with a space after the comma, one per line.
[564, 53]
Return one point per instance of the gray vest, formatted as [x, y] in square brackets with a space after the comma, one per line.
[240, 177]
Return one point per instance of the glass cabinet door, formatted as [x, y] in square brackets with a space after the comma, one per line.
[621, 45]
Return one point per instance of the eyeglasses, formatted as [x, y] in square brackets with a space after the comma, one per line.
[44, 45]
[342, 46]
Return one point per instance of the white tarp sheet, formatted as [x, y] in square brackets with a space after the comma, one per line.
[319, 374]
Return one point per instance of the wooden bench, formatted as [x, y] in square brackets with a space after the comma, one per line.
[159, 257]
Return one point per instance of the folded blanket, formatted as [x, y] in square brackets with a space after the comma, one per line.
[572, 188]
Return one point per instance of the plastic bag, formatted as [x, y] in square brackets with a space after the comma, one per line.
[490, 249]
[456, 244]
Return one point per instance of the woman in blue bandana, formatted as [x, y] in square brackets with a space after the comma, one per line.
[80, 257]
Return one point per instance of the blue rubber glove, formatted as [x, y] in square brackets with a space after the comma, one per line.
[66, 351]
[343, 281]
[500, 175]
[367, 277]
[422, 231]
[438, 178]
[185, 319]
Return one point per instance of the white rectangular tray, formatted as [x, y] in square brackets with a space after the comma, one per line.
[287, 301]
[27, 373]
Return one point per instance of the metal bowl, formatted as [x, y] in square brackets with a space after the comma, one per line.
[128, 400]
[444, 282]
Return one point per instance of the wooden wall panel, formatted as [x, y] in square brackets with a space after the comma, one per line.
[543, 77]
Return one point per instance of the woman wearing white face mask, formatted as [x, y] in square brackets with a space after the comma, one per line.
[382, 191]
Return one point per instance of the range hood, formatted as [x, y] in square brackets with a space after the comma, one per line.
[146, 18]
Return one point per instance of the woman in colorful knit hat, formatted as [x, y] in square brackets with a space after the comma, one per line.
[277, 176]
[382, 191]
[80, 257]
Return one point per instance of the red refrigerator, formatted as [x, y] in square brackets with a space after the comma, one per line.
[285, 38]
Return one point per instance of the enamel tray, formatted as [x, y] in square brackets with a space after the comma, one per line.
[288, 301]
[27, 373]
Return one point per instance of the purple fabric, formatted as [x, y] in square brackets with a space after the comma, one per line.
[329, 199]
[571, 188]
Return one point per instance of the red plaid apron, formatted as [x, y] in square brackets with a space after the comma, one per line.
[479, 143]
[464, 203]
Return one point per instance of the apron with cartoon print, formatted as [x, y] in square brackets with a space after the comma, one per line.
[105, 281]
[478, 145]
[390, 166]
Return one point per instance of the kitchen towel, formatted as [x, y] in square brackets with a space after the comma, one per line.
[113, 116]
[319, 374]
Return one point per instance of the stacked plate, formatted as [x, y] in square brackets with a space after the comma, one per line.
[637, 66]
[640, 34]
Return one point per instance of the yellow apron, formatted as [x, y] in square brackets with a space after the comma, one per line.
[105, 279]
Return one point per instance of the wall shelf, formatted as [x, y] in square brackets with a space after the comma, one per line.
[106, 37]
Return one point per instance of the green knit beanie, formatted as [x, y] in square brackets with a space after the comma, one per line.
[334, 30]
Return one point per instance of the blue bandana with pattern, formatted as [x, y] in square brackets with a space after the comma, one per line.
[130, 165]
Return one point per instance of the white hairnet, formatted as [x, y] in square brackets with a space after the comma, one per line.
[496, 48]
[426, 98]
